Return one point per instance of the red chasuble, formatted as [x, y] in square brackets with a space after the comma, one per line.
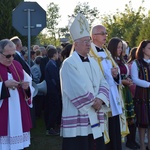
[17, 72]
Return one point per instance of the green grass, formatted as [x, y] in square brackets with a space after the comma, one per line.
[39, 140]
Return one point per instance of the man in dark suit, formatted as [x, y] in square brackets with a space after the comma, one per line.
[53, 97]
[43, 63]
[18, 57]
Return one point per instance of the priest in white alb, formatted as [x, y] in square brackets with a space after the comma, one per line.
[84, 94]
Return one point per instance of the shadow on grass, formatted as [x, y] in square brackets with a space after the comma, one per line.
[39, 140]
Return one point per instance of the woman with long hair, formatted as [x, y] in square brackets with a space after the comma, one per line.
[140, 72]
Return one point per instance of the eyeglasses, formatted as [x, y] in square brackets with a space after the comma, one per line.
[8, 56]
[84, 41]
[102, 33]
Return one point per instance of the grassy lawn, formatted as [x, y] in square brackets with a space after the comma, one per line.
[39, 141]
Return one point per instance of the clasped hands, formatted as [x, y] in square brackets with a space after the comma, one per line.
[97, 104]
[13, 84]
[127, 82]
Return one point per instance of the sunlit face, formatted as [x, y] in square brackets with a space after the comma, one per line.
[19, 46]
[83, 45]
[146, 51]
[7, 56]
[119, 49]
[99, 36]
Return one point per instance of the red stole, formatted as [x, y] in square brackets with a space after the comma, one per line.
[25, 110]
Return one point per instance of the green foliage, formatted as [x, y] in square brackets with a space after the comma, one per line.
[144, 30]
[45, 40]
[52, 21]
[63, 32]
[90, 13]
[39, 141]
[126, 25]
[6, 7]
[6, 28]
[130, 25]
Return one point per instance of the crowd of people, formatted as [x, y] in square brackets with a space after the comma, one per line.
[97, 93]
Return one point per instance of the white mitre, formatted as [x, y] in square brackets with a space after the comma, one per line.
[79, 27]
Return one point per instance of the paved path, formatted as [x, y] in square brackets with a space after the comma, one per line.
[124, 143]
[137, 140]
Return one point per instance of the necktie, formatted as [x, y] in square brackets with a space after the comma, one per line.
[99, 49]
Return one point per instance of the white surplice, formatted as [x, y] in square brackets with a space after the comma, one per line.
[79, 87]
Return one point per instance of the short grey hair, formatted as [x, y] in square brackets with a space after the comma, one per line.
[5, 42]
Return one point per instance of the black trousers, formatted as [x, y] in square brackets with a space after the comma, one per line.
[39, 105]
[52, 111]
[83, 143]
[132, 136]
[114, 134]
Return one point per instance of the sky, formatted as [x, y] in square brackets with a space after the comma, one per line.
[104, 6]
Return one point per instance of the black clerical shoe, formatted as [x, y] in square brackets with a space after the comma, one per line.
[52, 132]
[137, 145]
[131, 145]
[147, 148]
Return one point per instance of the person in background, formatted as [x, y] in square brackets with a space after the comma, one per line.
[84, 94]
[25, 65]
[140, 73]
[63, 45]
[35, 69]
[53, 103]
[59, 60]
[128, 48]
[38, 53]
[32, 56]
[115, 46]
[66, 51]
[16, 40]
[124, 55]
[15, 100]
[131, 58]
[35, 47]
[38, 99]
[44, 61]
[43, 50]
[111, 73]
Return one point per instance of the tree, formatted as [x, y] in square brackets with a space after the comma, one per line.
[63, 32]
[144, 30]
[130, 25]
[52, 21]
[91, 14]
[126, 24]
[44, 39]
[6, 7]
[6, 29]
